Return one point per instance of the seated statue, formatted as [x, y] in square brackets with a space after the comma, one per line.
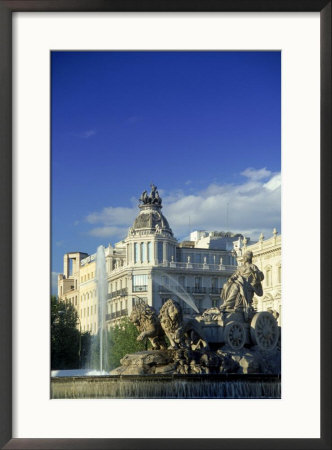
[238, 291]
[146, 320]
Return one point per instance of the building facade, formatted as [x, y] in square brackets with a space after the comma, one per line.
[267, 257]
[150, 265]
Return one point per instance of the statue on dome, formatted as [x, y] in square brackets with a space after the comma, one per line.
[144, 197]
[153, 192]
[152, 199]
[157, 198]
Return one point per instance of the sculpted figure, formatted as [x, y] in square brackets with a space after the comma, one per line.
[153, 193]
[144, 198]
[171, 321]
[146, 320]
[157, 198]
[238, 291]
[181, 334]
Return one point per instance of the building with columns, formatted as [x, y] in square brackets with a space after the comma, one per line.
[267, 257]
[150, 265]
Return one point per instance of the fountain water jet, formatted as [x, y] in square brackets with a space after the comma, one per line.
[102, 299]
[180, 292]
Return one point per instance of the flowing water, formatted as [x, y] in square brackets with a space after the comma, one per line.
[101, 279]
[176, 288]
[207, 386]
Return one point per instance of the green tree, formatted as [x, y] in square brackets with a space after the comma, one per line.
[121, 340]
[65, 337]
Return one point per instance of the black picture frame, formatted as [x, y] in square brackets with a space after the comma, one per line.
[6, 9]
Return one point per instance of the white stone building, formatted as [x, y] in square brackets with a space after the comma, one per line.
[150, 264]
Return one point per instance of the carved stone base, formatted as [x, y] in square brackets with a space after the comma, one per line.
[187, 362]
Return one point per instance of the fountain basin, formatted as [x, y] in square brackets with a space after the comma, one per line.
[254, 386]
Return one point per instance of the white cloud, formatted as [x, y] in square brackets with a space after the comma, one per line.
[274, 182]
[255, 175]
[250, 207]
[107, 232]
[113, 216]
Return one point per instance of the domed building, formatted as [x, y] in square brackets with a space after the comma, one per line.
[151, 265]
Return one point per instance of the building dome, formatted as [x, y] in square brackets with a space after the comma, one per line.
[150, 217]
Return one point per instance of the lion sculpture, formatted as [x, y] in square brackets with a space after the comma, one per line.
[145, 318]
[181, 333]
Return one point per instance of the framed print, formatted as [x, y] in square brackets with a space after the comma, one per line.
[111, 113]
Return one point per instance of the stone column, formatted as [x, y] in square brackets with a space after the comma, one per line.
[66, 265]
[132, 253]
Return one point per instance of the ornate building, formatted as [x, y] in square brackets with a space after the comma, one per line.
[267, 257]
[150, 265]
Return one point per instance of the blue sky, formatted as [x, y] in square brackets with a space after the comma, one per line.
[203, 126]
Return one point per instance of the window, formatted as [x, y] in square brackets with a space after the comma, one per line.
[150, 252]
[268, 276]
[143, 252]
[198, 282]
[135, 253]
[181, 281]
[136, 300]
[140, 283]
[160, 252]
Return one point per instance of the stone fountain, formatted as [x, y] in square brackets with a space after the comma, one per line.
[227, 352]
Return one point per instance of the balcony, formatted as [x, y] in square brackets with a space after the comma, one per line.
[215, 291]
[198, 266]
[142, 288]
[199, 290]
[117, 314]
[119, 293]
